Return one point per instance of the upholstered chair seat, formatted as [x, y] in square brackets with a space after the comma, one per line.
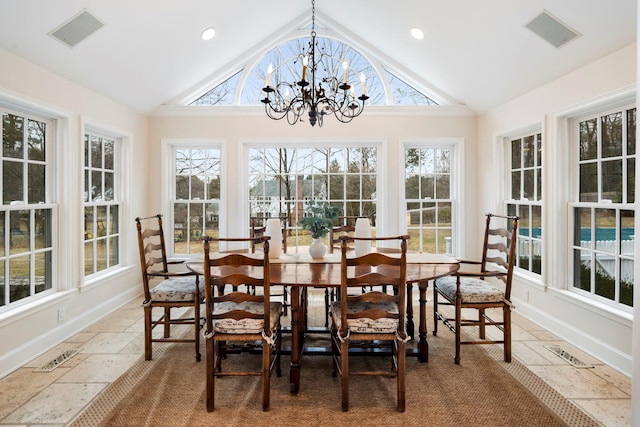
[363, 324]
[246, 325]
[472, 290]
[178, 289]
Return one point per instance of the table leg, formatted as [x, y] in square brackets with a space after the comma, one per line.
[423, 346]
[410, 325]
[294, 370]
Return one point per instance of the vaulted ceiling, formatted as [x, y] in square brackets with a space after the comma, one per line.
[149, 53]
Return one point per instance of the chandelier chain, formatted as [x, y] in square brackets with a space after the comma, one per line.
[336, 98]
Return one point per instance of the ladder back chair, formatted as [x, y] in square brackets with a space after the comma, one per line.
[470, 290]
[371, 316]
[346, 227]
[257, 228]
[239, 317]
[171, 290]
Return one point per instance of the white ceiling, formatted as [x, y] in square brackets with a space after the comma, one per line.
[475, 52]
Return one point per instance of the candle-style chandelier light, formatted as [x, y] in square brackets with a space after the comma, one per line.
[318, 93]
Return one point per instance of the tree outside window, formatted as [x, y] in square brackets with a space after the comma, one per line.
[428, 199]
[603, 216]
[282, 180]
[196, 201]
[26, 247]
[525, 173]
[102, 203]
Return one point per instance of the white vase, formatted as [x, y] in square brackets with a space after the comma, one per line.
[274, 231]
[363, 229]
[317, 248]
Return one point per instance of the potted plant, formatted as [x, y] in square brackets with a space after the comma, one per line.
[319, 218]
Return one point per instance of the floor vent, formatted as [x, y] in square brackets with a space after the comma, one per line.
[63, 357]
[555, 349]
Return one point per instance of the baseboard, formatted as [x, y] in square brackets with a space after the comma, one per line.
[20, 356]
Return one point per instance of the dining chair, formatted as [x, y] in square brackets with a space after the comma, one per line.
[165, 289]
[471, 290]
[257, 228]
[239, 317]
[346, 226]
[372, 316]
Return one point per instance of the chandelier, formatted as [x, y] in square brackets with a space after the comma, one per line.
[318, 93]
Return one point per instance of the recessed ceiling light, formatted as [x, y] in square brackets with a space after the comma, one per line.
[417, 33]
[208, 34]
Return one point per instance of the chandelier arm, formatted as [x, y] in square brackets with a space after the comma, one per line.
[309, 95]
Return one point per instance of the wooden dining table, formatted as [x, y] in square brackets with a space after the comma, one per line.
[297, 270]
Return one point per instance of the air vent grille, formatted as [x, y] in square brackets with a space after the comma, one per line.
[558, 351]
[552, 29]
[53, 364]
[77, 29]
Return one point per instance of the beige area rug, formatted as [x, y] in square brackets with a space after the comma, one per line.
[482, 391]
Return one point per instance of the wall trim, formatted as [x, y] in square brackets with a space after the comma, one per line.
[600, 350]
[17, 358]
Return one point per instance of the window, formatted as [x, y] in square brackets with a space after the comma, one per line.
[603, 216]
[26, 214]
[102, 203]
[287, 66]
[281, 180]
[196, 205]
[525, 173]
[427, 188]
[405, 94]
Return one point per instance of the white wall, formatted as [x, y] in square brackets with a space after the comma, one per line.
[33, 328]
[597, 329]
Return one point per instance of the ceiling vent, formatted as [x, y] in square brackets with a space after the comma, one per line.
[76, 29]
[551, 29]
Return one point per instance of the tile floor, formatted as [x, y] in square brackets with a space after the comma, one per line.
[111, 345]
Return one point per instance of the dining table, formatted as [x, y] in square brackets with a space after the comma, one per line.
[297, 270]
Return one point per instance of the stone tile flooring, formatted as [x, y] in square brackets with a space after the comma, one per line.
[111, 345]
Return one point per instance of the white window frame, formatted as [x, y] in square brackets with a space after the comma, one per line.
[526, 241]
[456, 172]
[623, 104]
[33, 112]
[379, 174]
[116, 201]
[168, 198]
[421, 228]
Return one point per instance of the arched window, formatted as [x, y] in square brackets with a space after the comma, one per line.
[286, 58]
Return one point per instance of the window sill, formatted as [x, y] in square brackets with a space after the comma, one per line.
[101, 278]
[616, 314]
[21, 312]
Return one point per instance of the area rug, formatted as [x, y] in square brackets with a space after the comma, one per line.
[481, 391]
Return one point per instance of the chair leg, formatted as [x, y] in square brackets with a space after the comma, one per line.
[506, 317]
[326, 307]
[219, 354]
[211, 359]
[402, 369]
[482, 327]
[278, 352]
[344, 362]
[285, 299]
[266, 374]
[147, 333]
[435, 311]
[196, 321]
[167, 322]
[458, 322]
[334, 351]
